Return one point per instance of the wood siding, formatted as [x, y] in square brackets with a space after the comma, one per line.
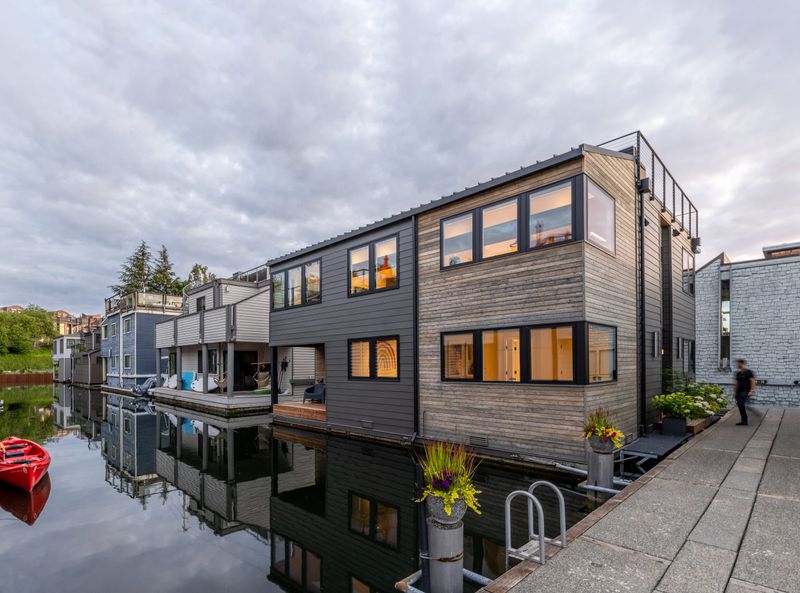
[362, 405]
[188, 330]
[252, 318]
[233, 293]
[208, 293]
[165, 334]
[214, 325]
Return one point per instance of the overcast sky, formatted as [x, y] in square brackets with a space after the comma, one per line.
[237, 131]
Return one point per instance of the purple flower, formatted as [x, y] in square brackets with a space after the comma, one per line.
[442, 481]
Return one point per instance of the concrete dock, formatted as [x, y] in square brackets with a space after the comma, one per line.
[719, 515]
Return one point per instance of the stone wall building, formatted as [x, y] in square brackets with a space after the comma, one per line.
[750, 310]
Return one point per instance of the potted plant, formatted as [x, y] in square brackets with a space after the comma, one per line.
[447, 471]
[601, 434]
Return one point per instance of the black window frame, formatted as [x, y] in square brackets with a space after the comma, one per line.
[578, 184]
[373, 359]
[200, 361]
[373, 516]
[371, 263]
[284, 274]
[587, 180]
[580, 353]
[688, 275]
[201, 300]
[372, 588]
[303, 563]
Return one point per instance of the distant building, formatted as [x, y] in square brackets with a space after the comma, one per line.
[12, 309]
[750, 310]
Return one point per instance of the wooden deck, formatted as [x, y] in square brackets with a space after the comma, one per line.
[242, 403]
[304, 411]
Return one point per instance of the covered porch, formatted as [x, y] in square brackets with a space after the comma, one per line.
[299, 388]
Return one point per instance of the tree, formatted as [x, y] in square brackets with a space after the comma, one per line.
[163, 278]
[199, 274]
[20, 332]
[135, 274]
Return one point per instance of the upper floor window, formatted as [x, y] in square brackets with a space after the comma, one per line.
[499, 232]
[372, 267]
[105, 332]
[457, 236]
[301, 285]
[600, 217]
[374, 358]
[687, 275]
[113, 329]
[126, 325]
[550, 215]
[374, 519]
[602, 353]
[127, 361]
[200, 304]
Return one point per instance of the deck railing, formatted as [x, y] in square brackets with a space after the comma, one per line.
[256, 274]
[663, 186]
[144, 300]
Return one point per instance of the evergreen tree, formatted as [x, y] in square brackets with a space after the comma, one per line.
[136, 272]
[163, 278]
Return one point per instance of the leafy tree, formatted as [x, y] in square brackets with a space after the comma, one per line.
[163, 278]
[20, 332]
[135, 274]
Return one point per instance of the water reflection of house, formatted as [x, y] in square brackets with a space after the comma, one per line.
[88, 411]
[353, 528]
[63, 407]
[223, 465]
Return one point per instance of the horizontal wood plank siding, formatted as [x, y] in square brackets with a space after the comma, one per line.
[233, 293]
[208, 293]
[252, 318]
[188, 330]
[214, 325]
[165, 334]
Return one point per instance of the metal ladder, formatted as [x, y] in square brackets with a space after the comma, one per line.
[561, 541]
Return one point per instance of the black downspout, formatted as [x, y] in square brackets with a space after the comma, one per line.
[274, 382]
[415, 324]
[642, 360]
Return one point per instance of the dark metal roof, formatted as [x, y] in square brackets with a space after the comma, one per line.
[555, 160]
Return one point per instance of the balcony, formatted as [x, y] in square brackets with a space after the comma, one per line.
[144, 301]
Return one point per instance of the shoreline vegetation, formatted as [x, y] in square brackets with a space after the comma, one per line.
[38, 361]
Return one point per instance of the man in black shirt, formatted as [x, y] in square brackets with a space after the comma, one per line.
[745, 387]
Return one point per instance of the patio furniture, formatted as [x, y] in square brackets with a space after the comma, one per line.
[315, 393]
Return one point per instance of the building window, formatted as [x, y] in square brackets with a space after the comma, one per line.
[313, 573]
[212, 361]
[687, 273]
[601, 218]
[499, 232]
[501, 355]
[126, 424]
[200, 304]
[381, 274]
[113, 419]
[113, 362]
[298, 564]
[172, 363]
[359, 586]
[550, 215]
[127, 361]
[105, 332]
[113, 329]
[725, 324]
[457, 234]
[458, 354]
[602, 353]
[373, 519]
[385, 263]
[313, 290]
[551, 353]
[374, 358]
[278, 288]
[301, 285]
[126, 325]
[113, 451]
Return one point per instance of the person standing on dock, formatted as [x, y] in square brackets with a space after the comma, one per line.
[745, 388]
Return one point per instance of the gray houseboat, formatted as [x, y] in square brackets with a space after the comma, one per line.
[501, 314]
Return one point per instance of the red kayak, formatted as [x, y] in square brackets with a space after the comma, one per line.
[22, 463]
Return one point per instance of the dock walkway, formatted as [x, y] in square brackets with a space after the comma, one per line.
[719, 515]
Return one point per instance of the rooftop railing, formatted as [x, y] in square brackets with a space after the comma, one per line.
[256, 274]
[663, 187]
[144, 300]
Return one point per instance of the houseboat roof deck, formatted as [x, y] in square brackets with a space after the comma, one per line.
[144, 301]
[626, 146]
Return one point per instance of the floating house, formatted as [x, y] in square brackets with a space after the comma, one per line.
[87, 362]
[128, 336]
[129, 436]
[217, 354]
[62, 357]
[502, 314]
[749, 309]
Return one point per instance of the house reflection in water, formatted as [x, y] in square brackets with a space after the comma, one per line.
[88, 412]
[63, 408]
[345, 518]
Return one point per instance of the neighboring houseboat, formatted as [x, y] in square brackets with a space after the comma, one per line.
[128, 335]
[749, 309]
[226, 320]
[87, 362]
[500, 315]
[62, 357]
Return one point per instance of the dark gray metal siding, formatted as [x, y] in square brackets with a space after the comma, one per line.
[652, 303]
[365, 406]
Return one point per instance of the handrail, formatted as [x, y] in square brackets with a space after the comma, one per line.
[532, 501]
[562, 511]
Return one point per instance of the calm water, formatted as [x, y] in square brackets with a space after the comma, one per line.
[204, 504]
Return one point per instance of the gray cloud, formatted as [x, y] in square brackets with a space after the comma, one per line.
[238, 131]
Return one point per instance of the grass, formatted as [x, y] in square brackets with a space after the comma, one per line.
[39, 360]
[28, 413]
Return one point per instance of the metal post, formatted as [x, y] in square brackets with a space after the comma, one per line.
[158, 430]
[205, 367]
[179, 367]
[601, 469]
[229, 443]
[179, 422]
[231, 375]
[275, 373]
[204, 465]
[446, 551]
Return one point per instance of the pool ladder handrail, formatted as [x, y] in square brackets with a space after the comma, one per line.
[532, 533]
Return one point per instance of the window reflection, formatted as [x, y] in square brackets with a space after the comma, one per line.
[386, 525]
[602, 353]
[551, 353]
[313, 289]
[600, 217]
[386, 358]
[386, 263]
[501, 355]
[295, 286]
[499, 225]
[359, 270]
[360, 515]
[551, 215]
[457, 240]
[278, 296]
[459, 356]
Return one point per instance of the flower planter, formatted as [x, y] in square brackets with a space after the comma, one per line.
[673, 426]
[695, 426]
[599, 445]
[437, 513]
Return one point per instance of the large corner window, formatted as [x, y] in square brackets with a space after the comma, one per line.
[552, 353]
[501, 355]
[687, 273]
[550, 215]
[499, 229]
[297, 286]
[458, 355]
[602, 353]
[456, 240]
[600, 218]
[373, 267]
[725, 324]
[374, 358]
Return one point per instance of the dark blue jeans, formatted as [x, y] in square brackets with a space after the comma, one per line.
[741, 400]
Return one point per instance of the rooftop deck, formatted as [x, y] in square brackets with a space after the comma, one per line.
[147, 301]
[718, 515]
